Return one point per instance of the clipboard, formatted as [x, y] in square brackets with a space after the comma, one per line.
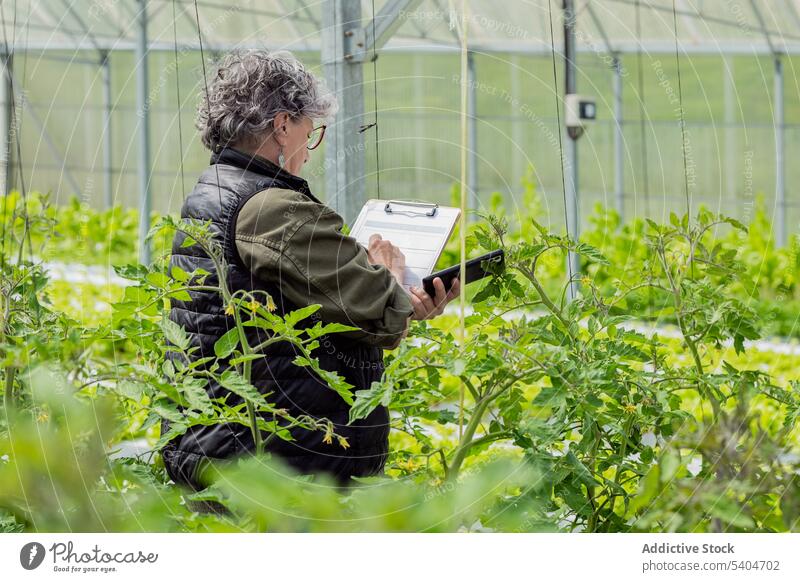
[420, 229]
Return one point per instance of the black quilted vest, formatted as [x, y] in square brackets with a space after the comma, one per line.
[223, 188]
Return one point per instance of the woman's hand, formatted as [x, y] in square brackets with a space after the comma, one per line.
[383, 252]
[427, 307]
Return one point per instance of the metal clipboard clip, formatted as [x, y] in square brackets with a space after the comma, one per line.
[431, 206]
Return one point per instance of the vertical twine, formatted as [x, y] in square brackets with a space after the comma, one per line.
[463, 226]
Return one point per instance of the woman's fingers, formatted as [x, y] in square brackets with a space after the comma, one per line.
[425, 306]
[455, 289]
[441, 295]
[420, 311]
[422, 303]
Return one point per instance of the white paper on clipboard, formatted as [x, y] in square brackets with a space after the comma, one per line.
[420, 230]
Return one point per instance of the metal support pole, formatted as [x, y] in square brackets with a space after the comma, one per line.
[571, 161]
[619, 140]
[472, 135]
[344, 148]
[780, 158]
[143, 110]
[107, 142]
[6, 124]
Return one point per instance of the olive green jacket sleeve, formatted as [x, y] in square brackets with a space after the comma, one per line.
[287, 239]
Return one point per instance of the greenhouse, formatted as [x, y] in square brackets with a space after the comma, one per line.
[626, 360]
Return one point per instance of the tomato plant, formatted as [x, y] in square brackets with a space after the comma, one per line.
[576, 415]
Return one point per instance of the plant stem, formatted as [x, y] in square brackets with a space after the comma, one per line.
[592, 525]
[251, 411]
[465, 443]
[219, 267]
[678, 303]
[531, 276]
[8, 393]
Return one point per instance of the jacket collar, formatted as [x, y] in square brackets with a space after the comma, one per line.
[263, 166]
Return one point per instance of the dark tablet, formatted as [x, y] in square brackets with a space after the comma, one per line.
[476, 269]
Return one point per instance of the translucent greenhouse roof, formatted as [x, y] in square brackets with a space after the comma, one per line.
[703, 26]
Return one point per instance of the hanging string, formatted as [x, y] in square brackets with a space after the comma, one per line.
[462, 231]
[558, 121]
[682, 123]
[178, 92]
[336, 78]
[375, 92]
[205, 82]
[682, 120]
[642, 111]
[643, 138]
[9, 55]
[461, 29]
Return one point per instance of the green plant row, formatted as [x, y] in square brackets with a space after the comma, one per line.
[562, 421]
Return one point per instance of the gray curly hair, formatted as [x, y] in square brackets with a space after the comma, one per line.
[249, 88]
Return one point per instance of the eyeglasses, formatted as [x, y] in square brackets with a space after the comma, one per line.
[315, 136]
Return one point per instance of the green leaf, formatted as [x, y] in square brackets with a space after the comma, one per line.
[247, 358]
[542, 230]
[730, 512]
[298, 315]
[592, 253]
[131, 389]
[175, 334]
[581, 471]
[233, 381]
[180, 295]
[132, 272]
[670, 463]
[175, 429]
[319, 330]
[158, 279]
[571, 493]
[333, 380]
[194, 389]
[380, 393]
[168, 412]
[225, 345]
[649, 487]
[179, 274]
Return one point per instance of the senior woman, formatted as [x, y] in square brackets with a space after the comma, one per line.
[261, 117]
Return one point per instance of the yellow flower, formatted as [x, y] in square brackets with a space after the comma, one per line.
[343, 442]
[270, 304]
[328, 438]
[254, 305]
[43, 417]
[586, 280]
[229, 309]
[630, 408]
[407, 465]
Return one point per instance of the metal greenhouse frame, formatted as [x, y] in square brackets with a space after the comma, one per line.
[94, 30]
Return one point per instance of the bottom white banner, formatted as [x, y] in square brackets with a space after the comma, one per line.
[355, 557]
